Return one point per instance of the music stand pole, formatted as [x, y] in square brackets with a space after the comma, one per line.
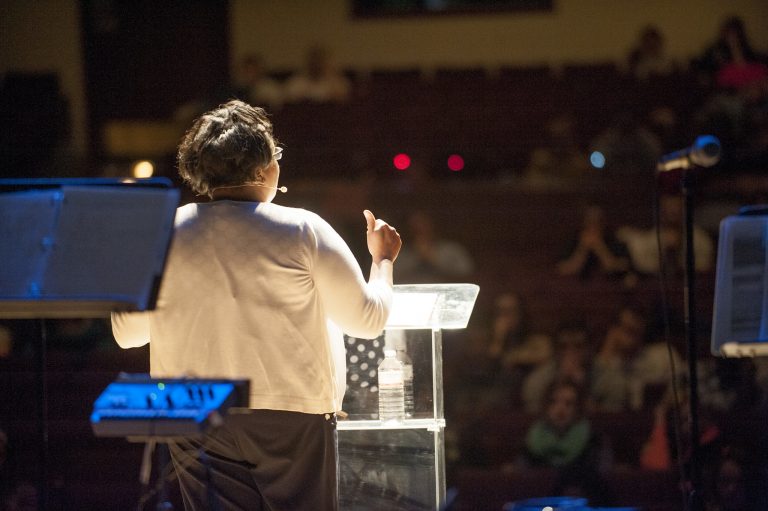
[695, 501]
[42, 413]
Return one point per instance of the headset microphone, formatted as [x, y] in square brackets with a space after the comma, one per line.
[283, 189]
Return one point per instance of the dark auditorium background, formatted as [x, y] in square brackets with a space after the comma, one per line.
[518, 137]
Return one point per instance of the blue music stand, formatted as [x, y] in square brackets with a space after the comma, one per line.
[80, 248]
[740, 316]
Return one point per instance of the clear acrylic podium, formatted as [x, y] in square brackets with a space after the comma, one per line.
[400, 465]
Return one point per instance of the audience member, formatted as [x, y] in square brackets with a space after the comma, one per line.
[563, 436]
[735, 474]
[415, 180]
[664, 122]
[730, 488]
[648, 58]
[644, 249]
[739, 482]
[341, 204]
[251, 83]
[728, 385]
[256, 87]
[485, 371]
[737, 111]
[660, 451]
[652, 372]
[470, 377]
[319, 82]
[559, 159]
[512, 344]
[596, 250]
[570, 362]
[614, 376]
[656, 453]
[429, 258]
[628, 146]
[731, 63]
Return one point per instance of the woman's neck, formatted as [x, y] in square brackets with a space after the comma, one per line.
[248, 193]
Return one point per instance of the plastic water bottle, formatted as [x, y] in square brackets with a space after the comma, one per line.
[395, 339]
[405, 360]
[391, 388]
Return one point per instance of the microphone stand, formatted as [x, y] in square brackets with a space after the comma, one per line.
[41, 382]
[695, 500]
[704, 152]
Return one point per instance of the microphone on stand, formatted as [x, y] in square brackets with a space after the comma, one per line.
[705, 152]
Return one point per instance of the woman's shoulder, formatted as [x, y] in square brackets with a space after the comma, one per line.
[294, 215]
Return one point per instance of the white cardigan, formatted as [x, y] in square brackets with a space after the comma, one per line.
[251, 290]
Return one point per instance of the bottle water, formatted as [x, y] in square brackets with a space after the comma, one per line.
[395, 339]
[391, 388]
[405, 360]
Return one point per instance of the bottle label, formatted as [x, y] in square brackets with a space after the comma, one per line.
[392, 378]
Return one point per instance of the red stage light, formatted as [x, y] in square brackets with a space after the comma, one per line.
[401, 161]
[455, 162]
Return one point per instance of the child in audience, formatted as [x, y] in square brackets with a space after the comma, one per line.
[563, 436]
